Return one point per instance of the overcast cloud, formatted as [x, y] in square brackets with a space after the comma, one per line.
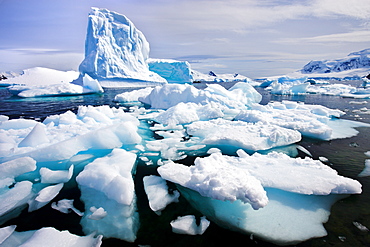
[252, 37]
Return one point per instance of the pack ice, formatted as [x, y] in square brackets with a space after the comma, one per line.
[116, 52]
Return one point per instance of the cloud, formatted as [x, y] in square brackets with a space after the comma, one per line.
[349, 37]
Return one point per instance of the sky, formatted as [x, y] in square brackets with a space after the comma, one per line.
[255, 38]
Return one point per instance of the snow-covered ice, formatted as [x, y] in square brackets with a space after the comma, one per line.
[116, 52]
[240, 96]
[239, 134]
[314, 121]
[157, 192]
[40, 76]
[283, 189]
[48, 236]
[107, 183]
[187, 225]
[41, 82]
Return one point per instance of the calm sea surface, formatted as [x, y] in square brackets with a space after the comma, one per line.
[345, 155]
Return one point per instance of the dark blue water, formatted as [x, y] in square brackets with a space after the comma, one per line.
[346, 156]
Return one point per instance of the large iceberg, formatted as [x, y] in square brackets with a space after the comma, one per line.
[172, 70]
[299, 198]
[116, 52]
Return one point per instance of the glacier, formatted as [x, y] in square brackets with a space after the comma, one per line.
[116, 52]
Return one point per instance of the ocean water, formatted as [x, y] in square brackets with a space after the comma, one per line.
[345, 155]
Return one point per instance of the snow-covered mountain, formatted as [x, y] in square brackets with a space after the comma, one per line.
[354, 60]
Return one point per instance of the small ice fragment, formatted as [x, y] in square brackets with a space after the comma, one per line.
[50, 176]
[360, 226]
[44, 197]
[323, 159]
[97, 213]
[366, 171]
[187, 225]
[157, 192]
[367, 153]
[64, 206]
[304, 150]
[342, 238]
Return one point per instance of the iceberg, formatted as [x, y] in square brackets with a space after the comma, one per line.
[257, 194]
[107, 183]
[173, 71]
[116, 52]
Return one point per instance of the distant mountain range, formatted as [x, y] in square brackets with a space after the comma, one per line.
[354, 60]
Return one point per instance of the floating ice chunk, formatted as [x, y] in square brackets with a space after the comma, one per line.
[50, 176]
[240, 96]
[97, 213]
[49, 236]
[183, 113]
[366, 171]
[288, 218]
[288, 89]
[36, 137]
[360, 226]
[111, 175]
[240, 134]
[107, 183]
[218, 180]
[133, 95]
[157, 192]
[68, 133]
[187, 225]
[115, 49]
[331, 89]
[15, 199]
[65, 206]
[5, 232]
[17, 167]
[311, 120]
[45, 196]
[17, 124]
[172, 70]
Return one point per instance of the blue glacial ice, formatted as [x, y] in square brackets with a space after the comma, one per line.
[245, 194]
[173, 71]
[116, 52]
[107, 183]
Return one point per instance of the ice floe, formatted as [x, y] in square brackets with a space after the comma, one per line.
[301, 194]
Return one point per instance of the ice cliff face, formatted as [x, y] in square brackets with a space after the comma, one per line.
[354, 60]
[115, 49]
